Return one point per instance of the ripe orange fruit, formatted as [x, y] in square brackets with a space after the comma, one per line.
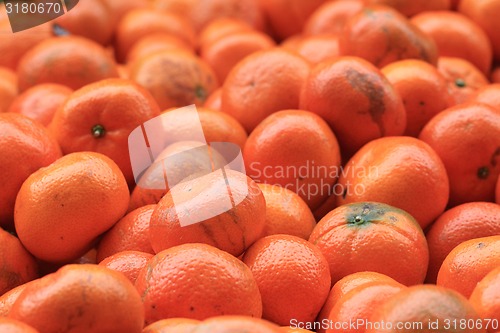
[25, 146]
[467, 139]
[263, 83]
[468, 263]
[286, 212]
[8, 325]
[175, 78]
[156, 42]
[129, 263]
[497, 191]
[460, 223]
[344, 286]
[464, 79]
[290, 329]
[197, 281]
[56, 60]
[331, 16]
[484, 14]
[413, 7]
[287, 17]
[8, 298]
[117, 9]
[62, 208]
[41, 102]
[139, 23]
[172, 325]
[366, 230]
[100, 116]
[184, 158]
[378, 170]
[213, 101]
[358, 305]
[292, 275]
[485, 297]
[294, 149]
[202, 12]
[457, 36]
[14, 45]
[8, 88]
[224, 53]
[220, 28]
[18, 265]
[82, 298]
[381, 35]
[91, 20]
[318, 48]
[487, 95]
[347, 91]
[231, 324]
[423, 89]
[196, 211]
[416, 307]
[130, 233]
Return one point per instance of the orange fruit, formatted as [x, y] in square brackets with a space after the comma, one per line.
[25, 146]
[344, 286]
[290, 329]
[8, 298]
[81, 298]
[367, 230]
[184, 158]
[130, 233]
[18, 265]
[155, 42]
[263, 83]
[485, 298]
[117, 9]
[287, 17]
[464, 79]
[8, 325]
[292, 275]
[175, 78]
[202, 12]
[423, 89]
[41, 102]
[8, 88]
[129, 263]
[62, 208]
[224, 53]
[213, 100]
[56, 60]
[457, 36]
[14, 45]
[100, 117]
[139, 23]
[467, 139]
[231, 324]
[196, 211]
[197, 281]
[468, 263]
[381, 35]
[331, 16]
[297, 150]
[286, 212]
[90, 20]
[378, 170]
[220, 28]
[413, 7]
[415, 308]
[484, 14]
[172, 325]
[350, 90]
[358, 304]
[495, 75]
[456, 225]
[497, 191]
[487, 95]
[318, 48]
